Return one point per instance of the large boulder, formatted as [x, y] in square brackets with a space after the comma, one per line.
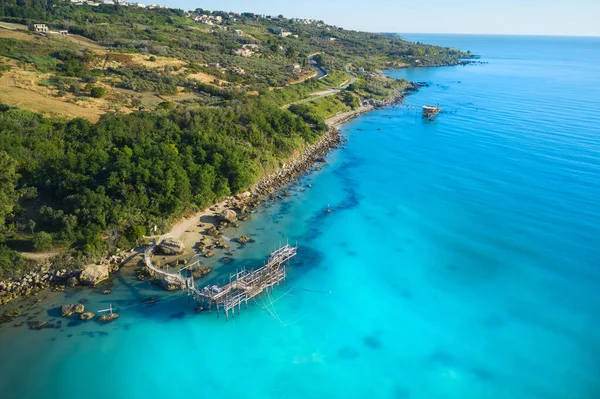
[201, 272]
[108, 317]
[171, 246]
[244, 196]
[87, 316]
[72, 282]
[170, 283]
[93, 274]
[229, 216]
[70, 309]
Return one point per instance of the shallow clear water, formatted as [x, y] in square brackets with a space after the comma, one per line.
[460, 259]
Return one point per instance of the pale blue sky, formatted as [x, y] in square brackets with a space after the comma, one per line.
[549, 17]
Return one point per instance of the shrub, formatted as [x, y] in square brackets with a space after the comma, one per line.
[97, 91]
[42, 241]
[12, 264]
[134, 233]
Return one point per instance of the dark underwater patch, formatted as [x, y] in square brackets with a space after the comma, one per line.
[406, 294]
[452, 268]
[482, 373]
[401, 392]
[347, 353]
[179, 315]
[441, 356]
[372, 342]
[308, 257]
[493, 322]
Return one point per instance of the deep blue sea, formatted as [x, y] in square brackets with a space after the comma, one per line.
[460, 260]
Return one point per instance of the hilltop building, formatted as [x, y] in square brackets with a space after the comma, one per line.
[38, 27]
[324, 38]
[243, 52]
[293, 68]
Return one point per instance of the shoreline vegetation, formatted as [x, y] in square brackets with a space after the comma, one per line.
[189, 231]
[173, 116]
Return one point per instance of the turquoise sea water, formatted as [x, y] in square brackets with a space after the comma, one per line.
[461, 259]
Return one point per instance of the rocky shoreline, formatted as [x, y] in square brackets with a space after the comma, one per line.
[299, 165]
[48, 276]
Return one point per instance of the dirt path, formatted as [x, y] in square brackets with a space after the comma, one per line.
[39, 255]
[338, 119]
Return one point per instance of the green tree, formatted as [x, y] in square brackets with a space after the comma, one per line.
[291, 52]
[42, 241]
[72, 67]
[135, 233]
[8, 181]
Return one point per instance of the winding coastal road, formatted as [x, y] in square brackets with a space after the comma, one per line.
[321, 72]
[352, 77]
[325, 93]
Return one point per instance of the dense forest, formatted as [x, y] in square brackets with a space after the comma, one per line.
[95, 186]
[86, 188]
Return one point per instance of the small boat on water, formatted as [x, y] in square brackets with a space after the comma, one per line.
[430, 111]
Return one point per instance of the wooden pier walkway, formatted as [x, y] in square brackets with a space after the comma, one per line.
[243, 285]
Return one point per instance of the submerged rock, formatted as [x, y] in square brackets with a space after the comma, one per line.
[171, 246]
[12, 313]
[37, 325]
[93, 274]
